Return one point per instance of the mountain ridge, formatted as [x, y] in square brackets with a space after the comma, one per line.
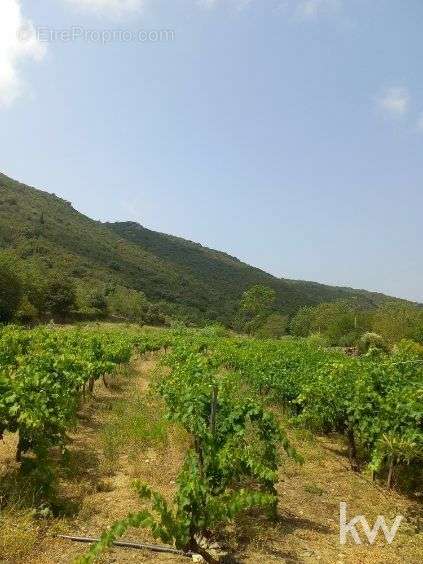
[46, 233]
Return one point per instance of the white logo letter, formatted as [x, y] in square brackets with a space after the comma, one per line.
[345, 528]
[380, 523]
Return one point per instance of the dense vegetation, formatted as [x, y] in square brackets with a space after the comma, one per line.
[219, 389]
[70, 266]
[346, 323]
[224, 390]
[232, 464]
[374, 400]
[44, 375]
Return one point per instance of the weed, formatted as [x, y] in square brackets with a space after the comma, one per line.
[313, 489]
[134, 425]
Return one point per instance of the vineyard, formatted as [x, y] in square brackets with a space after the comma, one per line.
[238, 408]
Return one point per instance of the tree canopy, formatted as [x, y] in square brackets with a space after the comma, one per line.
[10, 291]
[59, 297]
[258, 300]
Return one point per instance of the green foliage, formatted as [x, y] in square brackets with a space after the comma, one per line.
[274, 327]
[59, 297]
[258, 300]
[374, 400]
[235, 441]
[302, 323]
[318, 340]
[174, 525]
[211, 387]
[10, 291]
[157, 314]
[136, 424]
[399, 320]
[27, 312]
[408, 347]
[206, 404]
[98, 302]
[196, 284]
[372, 341]
[255, 308]
[43, 375]
[341, 322]
[128, 304]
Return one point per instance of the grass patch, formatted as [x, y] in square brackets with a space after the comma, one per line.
[18, 535]
[304, 435]
[313, 489]
[117, 381]
[134, 425]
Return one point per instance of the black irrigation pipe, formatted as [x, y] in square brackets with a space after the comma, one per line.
[128, 544]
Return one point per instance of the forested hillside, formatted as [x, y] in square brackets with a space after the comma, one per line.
[46, 236]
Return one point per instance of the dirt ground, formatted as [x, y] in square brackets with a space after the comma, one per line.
[95, 486]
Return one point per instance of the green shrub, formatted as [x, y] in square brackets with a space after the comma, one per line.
[27, 313]
[408, 347]
[59, 297]
[274, 327]
[10, 291]
[372, 341]
[318, 340]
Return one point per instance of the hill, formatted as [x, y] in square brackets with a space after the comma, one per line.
[47, 235]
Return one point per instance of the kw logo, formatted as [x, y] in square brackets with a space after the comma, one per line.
[371, 533]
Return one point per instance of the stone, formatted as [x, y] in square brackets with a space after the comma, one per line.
[197, 558]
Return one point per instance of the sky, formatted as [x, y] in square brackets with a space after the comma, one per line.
[288, 133]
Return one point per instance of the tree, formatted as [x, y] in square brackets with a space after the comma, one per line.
[258, 300]
[129, 304]
[372, 341]
[59, 297]
[34, 288]
[27, 313]
[398, 320]
[274, 327]
[10, 291]
[301, 323]
[255, 307]
[155, 315]
[341, 322]
[97, 301]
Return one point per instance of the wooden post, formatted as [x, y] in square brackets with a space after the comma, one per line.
[213, 410]
[352, 450]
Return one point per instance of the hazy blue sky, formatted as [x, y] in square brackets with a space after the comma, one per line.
[288, 133]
